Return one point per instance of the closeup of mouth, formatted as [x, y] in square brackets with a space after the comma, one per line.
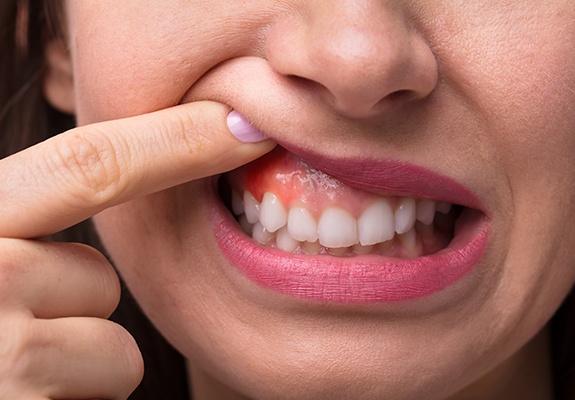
[281, 202]
[347, 231]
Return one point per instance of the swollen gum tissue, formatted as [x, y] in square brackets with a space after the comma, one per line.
[296, 183]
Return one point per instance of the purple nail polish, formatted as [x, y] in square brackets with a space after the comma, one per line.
[243, 130]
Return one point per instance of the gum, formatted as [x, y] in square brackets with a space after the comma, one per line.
[298, 184]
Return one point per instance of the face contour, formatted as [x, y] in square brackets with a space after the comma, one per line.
[474, 97]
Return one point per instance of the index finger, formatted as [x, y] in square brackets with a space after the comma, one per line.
[72, 176]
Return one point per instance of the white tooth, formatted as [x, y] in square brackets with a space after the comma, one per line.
[376, 224]
[302, 225]
[273, 215]
[251, 208]
[426, 211]
[443, 207]
[405, 215]
[261, 234]
[237, 204]
[337, 228]
[284, 241]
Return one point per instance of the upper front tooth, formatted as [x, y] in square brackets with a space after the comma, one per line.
[426, 211]
[273, 215]
[376, 224]
[405, 215]
[302, 225]
[251, 208]
[337, 228]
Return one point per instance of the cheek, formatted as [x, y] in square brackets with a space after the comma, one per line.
[163, 247]
[141, 56]
[133, 59]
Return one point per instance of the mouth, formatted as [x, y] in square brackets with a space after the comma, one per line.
[347, 231]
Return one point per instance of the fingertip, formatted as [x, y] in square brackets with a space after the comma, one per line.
[243, 130]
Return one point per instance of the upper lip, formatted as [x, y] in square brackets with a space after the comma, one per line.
[389, 177]
[234, 83]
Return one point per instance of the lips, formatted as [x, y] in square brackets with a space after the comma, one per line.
[371, 275]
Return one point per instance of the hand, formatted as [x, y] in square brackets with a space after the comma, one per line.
[55, 341]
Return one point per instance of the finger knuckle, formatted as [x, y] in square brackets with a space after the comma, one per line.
[12, 266]
[93, 265]
[88, 166]
[17, 346]
[187, 132]
[131, 356]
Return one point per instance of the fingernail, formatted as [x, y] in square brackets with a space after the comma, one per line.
[243, 130]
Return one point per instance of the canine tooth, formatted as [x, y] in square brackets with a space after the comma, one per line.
[337, 228]
[376, 224]
[261, 234]
[273, 215]
[251, 208]
[443, 207]
[405, 215]
[302, 225]
[426, 211]
[284, 241]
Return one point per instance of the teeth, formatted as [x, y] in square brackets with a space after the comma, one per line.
[426, 211]
[376, 223]
[405, 215]
[261, 234]
[273, 215]
[252, 208]
[284, 241]
[301, 224]
[386, 226]
[337, 228]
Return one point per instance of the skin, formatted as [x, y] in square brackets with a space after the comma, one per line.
[486, 89]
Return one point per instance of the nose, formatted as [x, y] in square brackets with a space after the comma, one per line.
[361, 57]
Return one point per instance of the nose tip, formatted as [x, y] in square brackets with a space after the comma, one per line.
[360, 63]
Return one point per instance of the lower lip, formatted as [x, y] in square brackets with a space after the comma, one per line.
[361, 279]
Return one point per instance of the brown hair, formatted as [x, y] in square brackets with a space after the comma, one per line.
[26, 118]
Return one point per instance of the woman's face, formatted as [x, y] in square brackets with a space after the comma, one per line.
[469, 103]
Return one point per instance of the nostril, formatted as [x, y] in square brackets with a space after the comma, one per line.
[399, 95]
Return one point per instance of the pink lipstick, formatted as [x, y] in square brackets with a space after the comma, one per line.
[363, 278]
